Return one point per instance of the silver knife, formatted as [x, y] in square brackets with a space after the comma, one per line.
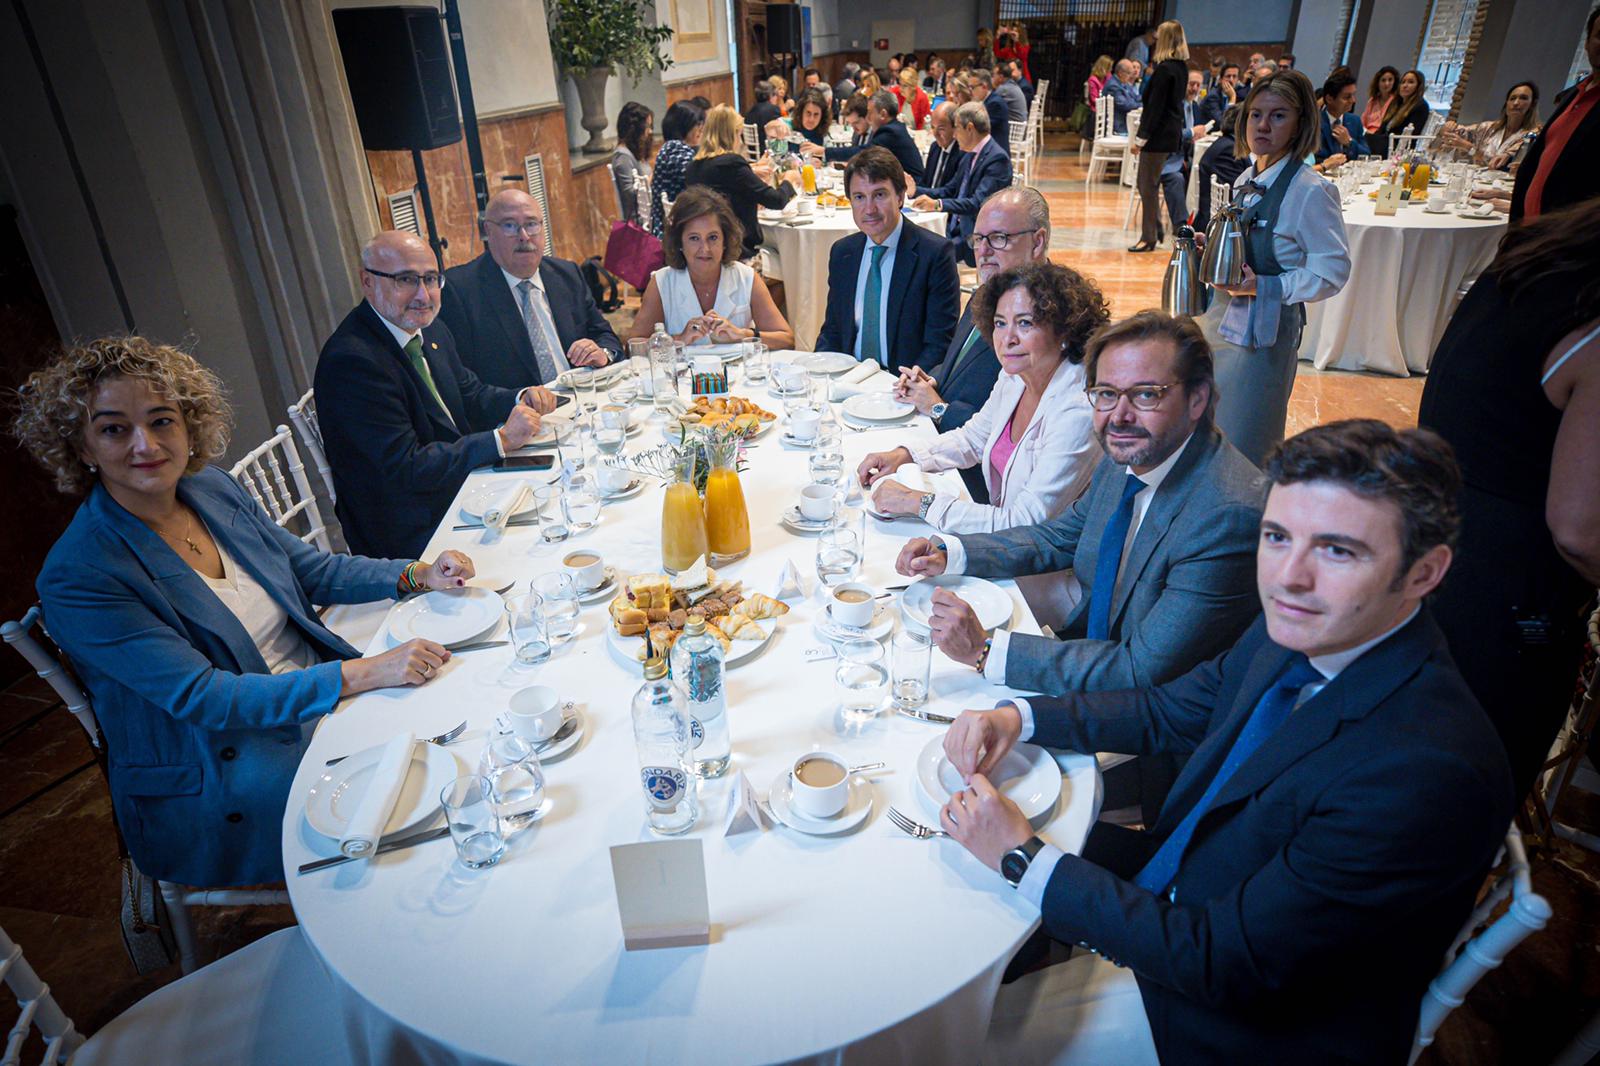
[479, 646]
[927, 716]
[384, 847]
[512, 522]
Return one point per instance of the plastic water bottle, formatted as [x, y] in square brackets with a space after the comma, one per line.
[661, 734]
[663, 368]
[698, 670]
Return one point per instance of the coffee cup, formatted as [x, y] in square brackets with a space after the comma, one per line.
[819, 784]
[614, 416]
[804, 206]
[613, 478]
[1437, 205]
[535, 712]
[853, 604]
[803, 423]
[817, 502]
[588, 570]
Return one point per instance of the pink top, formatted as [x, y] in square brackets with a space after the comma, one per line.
[1000, 457]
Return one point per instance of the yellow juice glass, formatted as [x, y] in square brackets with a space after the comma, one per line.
[808, 179]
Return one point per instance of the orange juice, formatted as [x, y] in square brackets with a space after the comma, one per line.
[1420, 175]
[683, 527]
[808, 178]
[727, 520]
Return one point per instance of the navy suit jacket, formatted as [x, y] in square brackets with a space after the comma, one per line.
[999, 121]
[950, 158]
[486, 320]
[1328, 146]
[965, 388]
[397, 461]
[984, 172]
[924, 292]
[892, 135]
[201, 741]
[1321, 889]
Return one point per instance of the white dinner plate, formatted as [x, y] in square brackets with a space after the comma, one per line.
[397, 627]
[1027, 776]
[878, 407]
[453, 616]
[478, 497]
[862, 423]
[857, 805]
[825, 362]
[631, 649]
[335, 795]
[727, 352]
[603, 376]
[988, 600]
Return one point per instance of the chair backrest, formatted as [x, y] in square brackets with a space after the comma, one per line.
[1434, 123]
[38, 1008]
[1220, 193]
[1104, 116]
[641, 200]
[303, 416]
[752, 141]
[262, 474]
[616, 190]
[20, 636]
[1133, 122]
[1475, 952]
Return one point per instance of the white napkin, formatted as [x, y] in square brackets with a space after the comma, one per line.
[863, 370]
[791, 586]
[505, 504]
[361, 835]
[911, 476]
[866, 377]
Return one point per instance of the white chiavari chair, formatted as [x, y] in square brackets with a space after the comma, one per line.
[1221, 193]
[1130, 162]
[36, 1007]
[752, 141]
[262, 474]
[303, 417]
[1108, 147]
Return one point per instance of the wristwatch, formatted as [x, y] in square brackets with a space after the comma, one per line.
[937, 411]
[1014, 863]
[924, 504]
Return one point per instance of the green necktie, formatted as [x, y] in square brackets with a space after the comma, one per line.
[414, 353]
[955, 364]
[871, 307]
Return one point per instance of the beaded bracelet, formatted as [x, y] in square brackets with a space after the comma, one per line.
[983, 656]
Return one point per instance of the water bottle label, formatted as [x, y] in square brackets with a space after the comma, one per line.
[703, 684]
[664, 785]
[697, 733]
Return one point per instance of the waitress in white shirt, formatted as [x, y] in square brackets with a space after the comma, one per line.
[1295, 253]
[704, 294]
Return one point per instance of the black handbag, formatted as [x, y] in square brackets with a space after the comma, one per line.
[146, 925]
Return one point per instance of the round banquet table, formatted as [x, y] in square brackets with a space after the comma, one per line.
[1405, 270]
[802, 254]
[866, 947]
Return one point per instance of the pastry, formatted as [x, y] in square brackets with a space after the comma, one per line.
[760, 605]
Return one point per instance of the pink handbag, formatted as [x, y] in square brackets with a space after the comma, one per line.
[633, 254]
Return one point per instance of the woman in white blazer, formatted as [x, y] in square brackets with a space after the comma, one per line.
[1034, 436]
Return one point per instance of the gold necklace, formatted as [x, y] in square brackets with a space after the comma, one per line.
[188, 537]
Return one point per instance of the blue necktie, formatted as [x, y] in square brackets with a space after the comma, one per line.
[1270, 711]
[1109, 561]
[872, 307]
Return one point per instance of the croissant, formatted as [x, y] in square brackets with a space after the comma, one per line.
[721, 637]
[742, 628]
[760, 605]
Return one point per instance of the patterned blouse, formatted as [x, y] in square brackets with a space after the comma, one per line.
[671, 162]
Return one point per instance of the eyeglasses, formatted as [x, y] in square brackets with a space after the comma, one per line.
[998, 240]
[516, 229]
[1143, 397]
[409, 279]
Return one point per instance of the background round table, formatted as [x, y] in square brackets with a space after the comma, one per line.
[866, 947]
[1405, 271]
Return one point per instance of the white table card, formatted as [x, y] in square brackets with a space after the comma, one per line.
[744, 813]
[661, 893]
[1388, 200]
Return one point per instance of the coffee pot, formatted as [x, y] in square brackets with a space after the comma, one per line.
[1181, 290]
[1223, 262]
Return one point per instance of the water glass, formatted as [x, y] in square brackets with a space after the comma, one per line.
[853, 519]
[826, 467]
[861, 678]
[608, 439]
[469, 808]
[912, 657]
[583, 389]
[572, 444]
[581, 502]
[838, 556]
[560, 594]
[552, 518]
[530, 633]
[793, 382]
[510, 763]
[756, 362]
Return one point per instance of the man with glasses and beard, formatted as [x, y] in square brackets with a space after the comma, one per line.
[1163, 540]
[518, 316]
[403, 421]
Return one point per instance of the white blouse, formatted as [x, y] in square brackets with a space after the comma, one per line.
[679, 303]
[1309, 239]
[280, 643]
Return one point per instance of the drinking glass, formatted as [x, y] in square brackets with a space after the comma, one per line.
[793, 382]
[583, 389]
[639, 357]
[608, 439]
[572, 444]
[552, 518]
[581, 502]
[912, 658]
[861, 679]
[838, 556]
[469, 807]
[755, 362]
[510, 763]
[826, 467]
[530, 633]
[560, 594]
[853, 519]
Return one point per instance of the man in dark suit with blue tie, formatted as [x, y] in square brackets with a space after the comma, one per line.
[985, 170]
[893, 288]
[519, 316]
[884, 130]
[403, 421]
[1344, 797]
[944, 154]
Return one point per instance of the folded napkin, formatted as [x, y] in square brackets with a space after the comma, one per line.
[863, 378]
[505, 504]
[602, 375]
[366, 825]
[791, 586]
[911, 476]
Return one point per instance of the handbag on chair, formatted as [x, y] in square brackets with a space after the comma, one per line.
[146, 928]
[633, 254]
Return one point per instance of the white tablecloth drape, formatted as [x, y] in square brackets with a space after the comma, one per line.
[1405, 271]
[866, 947]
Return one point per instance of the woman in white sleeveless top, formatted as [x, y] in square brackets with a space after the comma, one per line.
[704, 294]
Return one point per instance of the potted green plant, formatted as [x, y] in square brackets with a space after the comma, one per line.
[588, 37]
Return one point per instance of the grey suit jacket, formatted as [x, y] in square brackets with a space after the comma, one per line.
[1187, 590]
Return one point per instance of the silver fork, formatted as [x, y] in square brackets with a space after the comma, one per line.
[443, 738]
[916, 829]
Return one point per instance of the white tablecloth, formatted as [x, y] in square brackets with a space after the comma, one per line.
[1405, 270]
[869, 947]
[802, 253]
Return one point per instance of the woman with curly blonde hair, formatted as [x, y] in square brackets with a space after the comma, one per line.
[189, 614]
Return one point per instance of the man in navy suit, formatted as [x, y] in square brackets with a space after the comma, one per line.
[1344, 797]
[403, 421]
[979, 81]
[944, 154]
[893, 288]
[519, 316]
[883, 130]
[1343, 136]
[985, 171]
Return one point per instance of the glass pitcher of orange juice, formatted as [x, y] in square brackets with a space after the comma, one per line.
[808, 179]
[683, 522]
[727, 519]
[1421, 174]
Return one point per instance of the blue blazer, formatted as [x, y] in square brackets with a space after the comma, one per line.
[983, 172]
[1328, 146]
[1321, 889]
[486, 320]
[924, 292]
[999, 120]
[892, 135]
[397, 461]
[941, 163]
[202, 742]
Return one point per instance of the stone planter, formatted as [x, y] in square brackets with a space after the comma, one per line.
[592, 99]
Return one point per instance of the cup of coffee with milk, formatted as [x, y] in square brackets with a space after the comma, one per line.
[819, 784]
[853, 604]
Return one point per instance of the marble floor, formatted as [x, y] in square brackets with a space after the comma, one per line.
[58, 851]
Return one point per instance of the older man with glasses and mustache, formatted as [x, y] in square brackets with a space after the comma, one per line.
[403, 421]
[1163, 539]
[521, 317]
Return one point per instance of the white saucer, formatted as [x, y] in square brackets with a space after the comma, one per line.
[633, 489]
[558, 749]
[334, 796]
[793, 518]
[1028, 776]
[882, 624]
[602, 590]
[795, 442]
[856, 808]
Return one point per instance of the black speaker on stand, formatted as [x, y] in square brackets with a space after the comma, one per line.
[784, 33]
